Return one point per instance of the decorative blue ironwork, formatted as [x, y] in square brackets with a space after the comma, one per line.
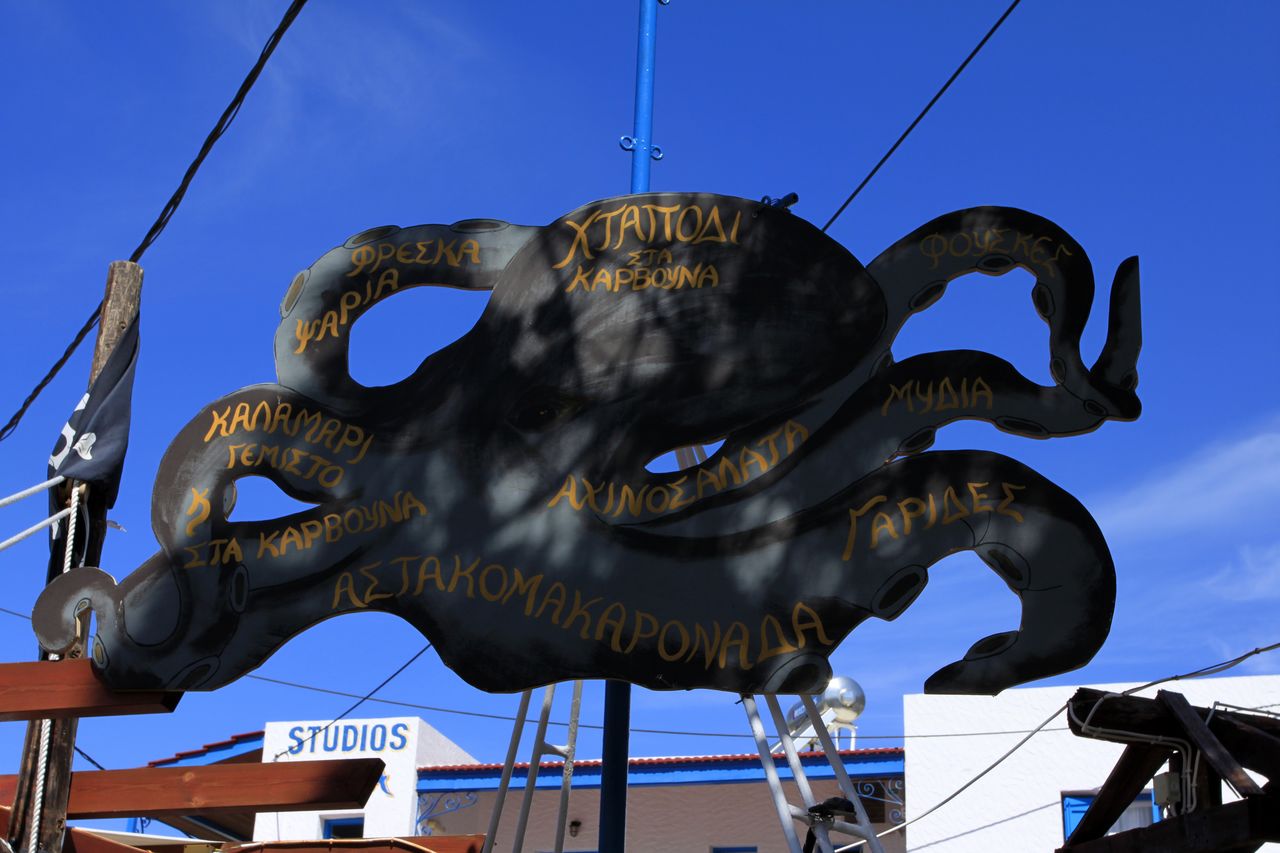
[891, 794]
[434, 805]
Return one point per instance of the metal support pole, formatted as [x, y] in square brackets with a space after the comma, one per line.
[517, 731]
[535, 761]
[865, 830]
[613, 766]
[640, 143]
[785, 816]
[617, 694]
[566, 778]
[797, 769]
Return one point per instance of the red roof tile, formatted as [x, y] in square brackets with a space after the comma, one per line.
[208, 747]
[657, 761]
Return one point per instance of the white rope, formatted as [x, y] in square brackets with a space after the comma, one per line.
[34, 490]
[42, 758]
[71, 527]
[35, 528]
[37, 801]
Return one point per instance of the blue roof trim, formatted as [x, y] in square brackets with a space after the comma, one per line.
[214, 754]
[693, 772]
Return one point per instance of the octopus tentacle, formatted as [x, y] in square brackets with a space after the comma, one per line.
[874, 414]
[914, 273]
[867, 551]
[260, 430]
[324, 300]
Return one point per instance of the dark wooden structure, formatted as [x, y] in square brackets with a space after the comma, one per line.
[53, 690]
[215, 789]
[1169, 729]
[69, 689]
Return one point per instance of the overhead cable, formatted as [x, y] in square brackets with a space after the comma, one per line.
[170, 207]
[507, 718]
[87, 757]
[923, 112]
[365, 698]
[36, 528]
[32, 490]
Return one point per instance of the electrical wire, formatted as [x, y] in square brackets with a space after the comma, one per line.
[224, 122]
[170, 207]
[87, 757]
[365, 698]
[923, 112]
[507, 718]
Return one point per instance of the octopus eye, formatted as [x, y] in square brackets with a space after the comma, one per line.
[539, 410]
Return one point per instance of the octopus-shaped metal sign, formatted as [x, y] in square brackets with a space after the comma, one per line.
[498, 498]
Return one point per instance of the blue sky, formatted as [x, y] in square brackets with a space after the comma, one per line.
[1142, 128]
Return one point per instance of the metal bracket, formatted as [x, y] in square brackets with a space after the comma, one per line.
[630, 143]
[785, 202]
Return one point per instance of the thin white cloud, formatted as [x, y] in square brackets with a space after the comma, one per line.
[1225, 485]
[341, 65]
[1253, 576]
[386, 70]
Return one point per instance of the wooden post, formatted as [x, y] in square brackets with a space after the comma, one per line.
[119, 306]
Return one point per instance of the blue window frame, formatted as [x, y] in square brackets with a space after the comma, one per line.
[1143, 812]
[342, 827]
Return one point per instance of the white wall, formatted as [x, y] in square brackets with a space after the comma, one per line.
[403, 743]
[1018, 805]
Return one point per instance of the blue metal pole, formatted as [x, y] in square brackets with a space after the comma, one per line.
[641, 141]
[617, 694]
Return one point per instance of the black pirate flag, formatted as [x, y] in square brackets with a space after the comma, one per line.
[93, 442]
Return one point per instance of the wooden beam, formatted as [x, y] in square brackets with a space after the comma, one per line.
[1255, 749]
[1137, 764]
[1134, 713]
[1252, 739]
[1237, 827]
[1209, 745]
[59, 689]
[214, 789]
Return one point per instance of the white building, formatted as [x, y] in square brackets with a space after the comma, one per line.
[1028, 801]
[403, 743]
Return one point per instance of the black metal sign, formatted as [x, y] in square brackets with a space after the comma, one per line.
[498, 498]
